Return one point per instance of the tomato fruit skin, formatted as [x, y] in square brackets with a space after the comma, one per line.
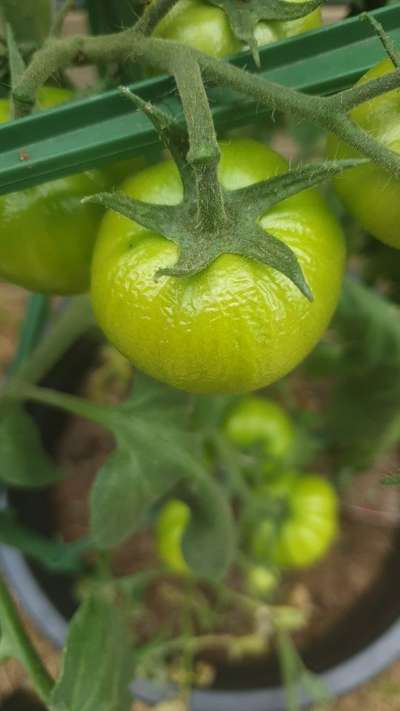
[308, 526]
[257, 420]
[47, 236]
[261, 581]
[203, 26]
[369, 193]
[171, 526]
[236, 326]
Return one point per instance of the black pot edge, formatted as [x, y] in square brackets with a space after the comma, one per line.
[339, 680]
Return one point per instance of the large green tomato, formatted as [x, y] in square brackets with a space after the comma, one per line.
[368, 192]
[46, 234]
[171, 526]
[307, 524]
[205, 27]
[256, 420]
[239, 324]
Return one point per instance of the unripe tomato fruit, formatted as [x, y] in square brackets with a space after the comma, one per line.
[261, 581]
[206, 27]
[307, 527]
[369, 193]
[171, 526]
[236, 326]
[46, 234]
[257, 420]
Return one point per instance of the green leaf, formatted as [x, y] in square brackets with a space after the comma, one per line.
[209, 540]
[149, 460]
[152, 454]
[55, 555]
[23, 460]
[97, 661]
[363, 420]
[155, 453]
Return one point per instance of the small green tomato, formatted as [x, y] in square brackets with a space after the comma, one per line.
[171, 527]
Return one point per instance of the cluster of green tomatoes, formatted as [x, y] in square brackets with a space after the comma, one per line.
[238, 325]
[288, 520]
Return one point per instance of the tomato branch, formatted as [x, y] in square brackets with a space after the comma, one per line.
[329, 113]
[152, 15]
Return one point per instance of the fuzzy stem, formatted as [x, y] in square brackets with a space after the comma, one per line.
[159, 54]
[350, 98]
[20, 646]
[74, 321]
[46, 396]
[387, 43]
[204, 153]
[153, 14]
[58, 22]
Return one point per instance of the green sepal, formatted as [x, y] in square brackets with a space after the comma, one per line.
[245, 16]
[241, 235]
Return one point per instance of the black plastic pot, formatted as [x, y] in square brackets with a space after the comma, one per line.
[362, 645]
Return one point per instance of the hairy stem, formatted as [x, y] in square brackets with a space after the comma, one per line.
[204, 152]
[326, 112]
[21, 390]
[153, 14]
[75, 320]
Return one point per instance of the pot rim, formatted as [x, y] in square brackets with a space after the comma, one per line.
[339, 679]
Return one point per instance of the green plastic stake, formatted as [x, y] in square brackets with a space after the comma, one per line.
[88, 133]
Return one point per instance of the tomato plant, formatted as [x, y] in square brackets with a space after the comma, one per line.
[304, 524]
[367, 192]
[206, 27]
[238, 325]
[215, 271]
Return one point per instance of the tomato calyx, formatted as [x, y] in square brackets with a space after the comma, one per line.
[245, 16]
[211, 221]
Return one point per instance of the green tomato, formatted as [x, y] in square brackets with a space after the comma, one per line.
[238, 325]
[307, 527]
[205, 27]
[171, 526]
[261, 581]
[47, 235]
[256, 420]
[370, 194]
